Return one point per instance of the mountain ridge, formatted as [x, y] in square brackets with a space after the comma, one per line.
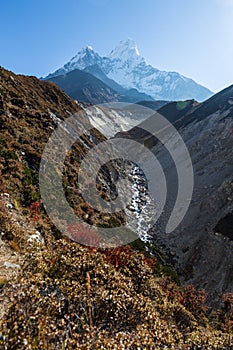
[126, 67]
[84, 86]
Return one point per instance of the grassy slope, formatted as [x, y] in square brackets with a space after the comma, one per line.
[67, 296]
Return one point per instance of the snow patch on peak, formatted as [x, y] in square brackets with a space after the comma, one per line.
[87, 56]
[126, 50]
[90, 48]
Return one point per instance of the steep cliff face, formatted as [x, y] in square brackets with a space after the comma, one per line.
[205, 256]
[202, 244]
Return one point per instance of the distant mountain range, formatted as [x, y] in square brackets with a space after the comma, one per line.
[126, 72]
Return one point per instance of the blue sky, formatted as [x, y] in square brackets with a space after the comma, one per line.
[192, 37]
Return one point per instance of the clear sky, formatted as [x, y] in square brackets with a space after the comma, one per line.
[193, 37]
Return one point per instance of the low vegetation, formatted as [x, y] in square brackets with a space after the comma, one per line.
[67, 296]
[72, 297]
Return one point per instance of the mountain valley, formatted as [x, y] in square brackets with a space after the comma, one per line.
[60, 294]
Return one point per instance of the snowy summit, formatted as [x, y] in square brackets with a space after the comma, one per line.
[127, 67]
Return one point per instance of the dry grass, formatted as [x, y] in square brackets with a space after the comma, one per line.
[69, 297]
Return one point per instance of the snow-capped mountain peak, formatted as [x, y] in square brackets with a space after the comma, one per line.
[88, 47]
[125, 47]
[87, 56]
[128, 68]
[84, 58]
[127, 51]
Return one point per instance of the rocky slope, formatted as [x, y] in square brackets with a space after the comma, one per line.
[30, 111]
[112, 118]
[202, 244]
[126, 67]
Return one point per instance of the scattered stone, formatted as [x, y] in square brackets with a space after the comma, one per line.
[36, 237]
[9, 265]
[5, 195]
[131, 208]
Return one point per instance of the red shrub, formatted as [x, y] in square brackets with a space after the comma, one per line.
[35, 210]
[120, 257]
[35, 207]
[151, 262]
[83, 235]
[227, 300]
[193, 299]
